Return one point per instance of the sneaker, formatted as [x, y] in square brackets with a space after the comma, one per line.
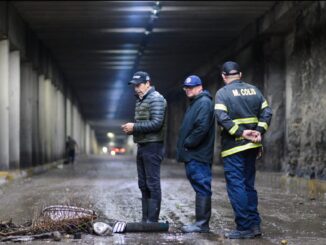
[256, 230]
[236, 234]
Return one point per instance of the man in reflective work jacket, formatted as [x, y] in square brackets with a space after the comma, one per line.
[244, 116]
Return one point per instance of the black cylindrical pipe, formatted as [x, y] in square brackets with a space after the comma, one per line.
[147, 227]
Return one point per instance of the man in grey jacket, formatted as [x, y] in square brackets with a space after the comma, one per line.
[148, 131]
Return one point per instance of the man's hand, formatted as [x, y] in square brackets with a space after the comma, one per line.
[252, 135]
[128, 128]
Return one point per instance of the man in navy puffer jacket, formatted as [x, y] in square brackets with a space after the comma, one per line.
[195, 148]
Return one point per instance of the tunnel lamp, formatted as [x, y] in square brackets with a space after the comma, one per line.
[155, 11]
[104, 149]
[119, 51]
[157, 3]
[156, 8]
[147, 32]
[122, 30]
[110, 135]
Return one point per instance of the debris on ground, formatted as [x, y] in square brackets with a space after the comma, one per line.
[102, 229]
[51, 224]
[59, 221]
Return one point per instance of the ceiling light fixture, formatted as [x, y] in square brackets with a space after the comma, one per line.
[154, 11]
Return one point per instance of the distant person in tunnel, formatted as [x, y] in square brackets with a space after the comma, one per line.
[195, 148]
[148, 131]
[71, 146]
[244, 115]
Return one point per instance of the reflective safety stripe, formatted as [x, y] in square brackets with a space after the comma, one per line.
[264, 105]
[239, 138]
[240, 148]
[263, 125]
[246, 120]
[220, 107]
[233, 129]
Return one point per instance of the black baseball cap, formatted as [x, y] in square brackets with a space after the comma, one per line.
[230, 68]
[140, 77]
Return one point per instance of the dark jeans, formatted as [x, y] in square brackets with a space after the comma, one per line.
[200, 176]
[149, 158]
[71, 156]
[240, 173]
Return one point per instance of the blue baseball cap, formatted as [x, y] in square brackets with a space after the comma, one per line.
[192, 81]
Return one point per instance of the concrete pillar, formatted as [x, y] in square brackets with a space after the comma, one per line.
[54, 121]
[47, 116]
[87, 139]
[94, 143]
[41, 108]
[75, 125]
[14, 109]
[35, 118]
[82, 133]
[4, 104]
[26, 114]
[68, 117]
[274, 91]
[60, 125]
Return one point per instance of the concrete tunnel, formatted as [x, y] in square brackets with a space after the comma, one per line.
[65, 67]
[64, 71]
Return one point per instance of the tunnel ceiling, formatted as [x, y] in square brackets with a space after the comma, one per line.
[99, 44]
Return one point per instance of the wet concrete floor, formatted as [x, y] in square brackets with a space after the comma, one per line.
[109, 186]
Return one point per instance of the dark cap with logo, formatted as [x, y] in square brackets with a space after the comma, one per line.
[230, 68]
[140, 77]
[192, 81]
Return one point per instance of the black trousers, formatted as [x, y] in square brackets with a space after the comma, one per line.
[149, 158]
[71, 156]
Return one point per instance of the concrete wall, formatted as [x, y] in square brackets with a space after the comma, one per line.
[36, 112]
[305, 94]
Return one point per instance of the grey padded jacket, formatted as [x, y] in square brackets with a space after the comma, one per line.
[150, 118]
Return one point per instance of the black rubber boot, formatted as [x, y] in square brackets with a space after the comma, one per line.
[154, 207]
[144, 204]
[203, 215]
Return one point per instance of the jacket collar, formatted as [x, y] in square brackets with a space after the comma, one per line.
[203, 93]
[234, 81]
[149, 91]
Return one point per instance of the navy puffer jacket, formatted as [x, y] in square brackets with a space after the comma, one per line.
[197, 132]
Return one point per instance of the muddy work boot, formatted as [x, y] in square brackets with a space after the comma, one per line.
[236, 234]
[154, 207]
[203, 214]
[144, 204]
